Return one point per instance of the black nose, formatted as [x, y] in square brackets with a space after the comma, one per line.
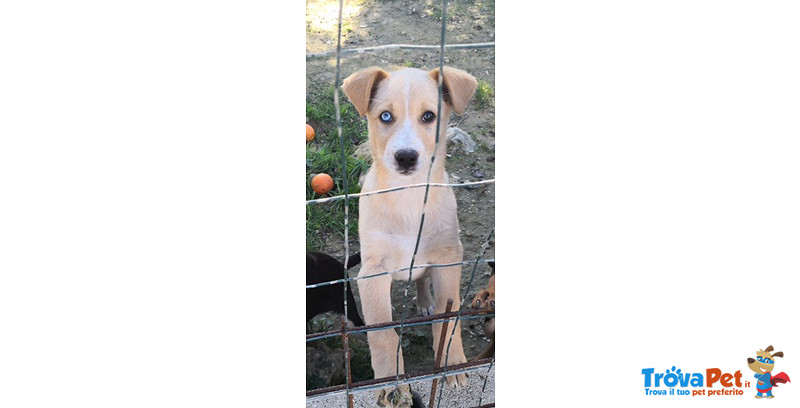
[406, 159]
[751, 360]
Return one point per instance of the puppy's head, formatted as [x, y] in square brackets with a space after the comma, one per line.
[764, 361]
[400, 108]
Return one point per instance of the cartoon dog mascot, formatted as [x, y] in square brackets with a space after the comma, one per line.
[763, 365]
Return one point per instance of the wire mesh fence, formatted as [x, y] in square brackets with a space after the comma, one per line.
[388, 47]
[442, 368]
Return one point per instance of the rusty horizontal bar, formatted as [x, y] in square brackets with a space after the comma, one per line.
[404, 378]
[415, 321]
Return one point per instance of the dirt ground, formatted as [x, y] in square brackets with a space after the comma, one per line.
[372, 22]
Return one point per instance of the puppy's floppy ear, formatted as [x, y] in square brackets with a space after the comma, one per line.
[458, 87]
[777, 354]
[360, 87]
[768, 349]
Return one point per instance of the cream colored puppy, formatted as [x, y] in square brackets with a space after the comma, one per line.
[400, 108]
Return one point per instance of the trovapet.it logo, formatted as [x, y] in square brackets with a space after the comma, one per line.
[715, 381]
[674, 381]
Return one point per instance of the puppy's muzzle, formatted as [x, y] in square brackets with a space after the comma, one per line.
[751, 360]
[406, 160]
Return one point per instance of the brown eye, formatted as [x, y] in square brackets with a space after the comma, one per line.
[428, 116]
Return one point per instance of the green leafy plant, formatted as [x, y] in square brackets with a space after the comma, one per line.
[323, 155]
[484, 95]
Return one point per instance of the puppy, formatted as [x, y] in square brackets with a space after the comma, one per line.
[401, 112]
[324, 268]
[763, 365]
[484, 299]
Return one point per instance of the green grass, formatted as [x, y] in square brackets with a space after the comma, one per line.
[323, 155]
[434, 9]
[347, 27]
[484, 95]
[360, 363]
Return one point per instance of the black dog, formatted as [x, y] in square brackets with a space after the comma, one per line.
[329, 298]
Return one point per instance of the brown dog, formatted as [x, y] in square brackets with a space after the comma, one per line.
[400, 108]
[484, 299]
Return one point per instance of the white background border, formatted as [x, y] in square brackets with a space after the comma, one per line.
[151, 220]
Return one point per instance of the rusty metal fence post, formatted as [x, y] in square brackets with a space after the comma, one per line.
[439, 351]
[347, 365]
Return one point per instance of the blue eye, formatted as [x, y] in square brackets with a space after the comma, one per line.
[428, 116]
[768, 361]
[386, 117]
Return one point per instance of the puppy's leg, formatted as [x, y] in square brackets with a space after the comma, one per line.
[352, 310]
[447, 284]
[377, 307]
[425, 302]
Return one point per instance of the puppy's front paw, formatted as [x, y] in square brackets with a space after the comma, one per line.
[399, 397]
[458, 380]
[425, 305]
[484, 299]
[426, 311]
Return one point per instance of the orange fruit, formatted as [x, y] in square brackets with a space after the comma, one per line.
[322, 183]
[309, 133]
